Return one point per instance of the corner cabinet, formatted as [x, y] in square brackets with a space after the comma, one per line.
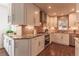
[23, 47]
[23, 14]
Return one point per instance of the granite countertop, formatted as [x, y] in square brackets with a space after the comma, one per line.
[24, 36]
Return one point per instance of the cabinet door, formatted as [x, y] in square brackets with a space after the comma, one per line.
[11, 47]
[72, 19]
[76, 48]
[77, 16]
[22, 47]
[59, 38]
[52, 38]
[18, 13]
[34, 47]
[9, 13]
[6, 43]
[30, 14]
[65, 39]
[41, 43]
[53, 21]
[36, 16]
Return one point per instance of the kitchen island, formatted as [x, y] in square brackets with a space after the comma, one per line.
[24, 45]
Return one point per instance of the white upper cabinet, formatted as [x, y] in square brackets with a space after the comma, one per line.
[77, 12]
[72, 20]
[36, 16]
[23, 14]
[52, 21]
[16, 14]
[29, 11]
[33, 15]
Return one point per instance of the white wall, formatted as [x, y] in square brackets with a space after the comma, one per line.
[3, 20]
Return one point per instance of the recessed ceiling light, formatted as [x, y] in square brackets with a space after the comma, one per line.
[72, 9]
[49, 7]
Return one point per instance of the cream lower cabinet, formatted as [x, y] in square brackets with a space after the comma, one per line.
[6, 43]
[23, 47]
[9, 45]
[77, 47]
[34, 46]
[37, 45]
[60, 38]
[18, 47]
[41, 43]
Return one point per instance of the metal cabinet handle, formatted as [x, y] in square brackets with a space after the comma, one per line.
[39, 43]
[8, 19]
[15, 45]
[13, 18]
[9, 42]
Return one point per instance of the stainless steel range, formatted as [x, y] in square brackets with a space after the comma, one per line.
[47, 38]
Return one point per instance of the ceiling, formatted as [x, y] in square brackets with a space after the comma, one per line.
[57, 9]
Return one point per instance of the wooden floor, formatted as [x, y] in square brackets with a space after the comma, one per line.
[58, 50]
[52, 50]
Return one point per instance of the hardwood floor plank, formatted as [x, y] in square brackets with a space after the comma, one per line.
[58, 50]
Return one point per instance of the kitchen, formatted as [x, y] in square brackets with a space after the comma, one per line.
[34, 27]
